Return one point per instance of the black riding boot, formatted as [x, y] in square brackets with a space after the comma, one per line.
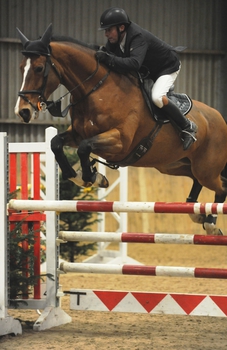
[188, 127]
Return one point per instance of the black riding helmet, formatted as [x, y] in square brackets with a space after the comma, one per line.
[113, 16]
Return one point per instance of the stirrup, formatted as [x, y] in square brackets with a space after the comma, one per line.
[190, 135]
[191, 130]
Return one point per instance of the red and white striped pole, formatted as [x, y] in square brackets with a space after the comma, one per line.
[135, 237]
[105, 206]
[164, 271]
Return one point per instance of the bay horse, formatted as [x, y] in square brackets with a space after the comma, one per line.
[111, 119]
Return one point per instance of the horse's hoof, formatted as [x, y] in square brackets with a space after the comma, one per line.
[211, 229]
[100, 181]
[220, 233]
[79, 181]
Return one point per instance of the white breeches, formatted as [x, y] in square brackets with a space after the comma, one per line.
[162, 86]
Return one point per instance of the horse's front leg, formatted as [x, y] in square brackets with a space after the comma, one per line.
[57, 144]
[88, 176]
[67, 138]
[106, 144]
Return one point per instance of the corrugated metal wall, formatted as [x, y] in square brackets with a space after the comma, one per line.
[198, 24]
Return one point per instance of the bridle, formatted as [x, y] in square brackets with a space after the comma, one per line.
[41, 90]
[54, 107]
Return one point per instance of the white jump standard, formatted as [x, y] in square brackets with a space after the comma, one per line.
[52, 315]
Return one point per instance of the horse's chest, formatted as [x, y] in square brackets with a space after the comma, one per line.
[87, 129]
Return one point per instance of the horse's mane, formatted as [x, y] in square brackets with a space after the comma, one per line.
[133, 77]
[74, 41]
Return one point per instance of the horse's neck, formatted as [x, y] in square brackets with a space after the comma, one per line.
[75, 65]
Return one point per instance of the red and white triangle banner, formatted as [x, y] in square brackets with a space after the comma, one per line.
[148, 302]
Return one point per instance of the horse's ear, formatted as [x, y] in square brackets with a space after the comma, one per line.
[47, 35]
[23, 38]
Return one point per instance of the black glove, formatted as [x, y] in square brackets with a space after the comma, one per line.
[102, 48]
[105, 57]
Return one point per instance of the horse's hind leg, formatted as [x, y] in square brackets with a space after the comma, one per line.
[195, 191]
[220, 196]
[193, 196]
[210, 222]
[211, 219]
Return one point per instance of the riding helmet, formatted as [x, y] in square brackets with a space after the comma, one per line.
[112, 17]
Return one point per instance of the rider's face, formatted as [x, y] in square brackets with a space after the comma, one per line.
[112, 34]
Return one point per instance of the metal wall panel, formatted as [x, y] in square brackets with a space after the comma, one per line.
[198, 24]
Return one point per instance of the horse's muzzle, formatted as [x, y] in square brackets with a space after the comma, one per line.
[25, 114]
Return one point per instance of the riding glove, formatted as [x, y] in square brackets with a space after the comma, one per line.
[105, 57]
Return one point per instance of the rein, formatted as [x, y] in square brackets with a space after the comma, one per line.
[64, 113]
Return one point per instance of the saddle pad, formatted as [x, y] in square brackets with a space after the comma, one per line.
[182, 101]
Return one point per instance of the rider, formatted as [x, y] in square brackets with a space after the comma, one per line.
[129, 47]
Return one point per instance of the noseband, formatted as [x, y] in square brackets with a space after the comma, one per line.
[54, 107]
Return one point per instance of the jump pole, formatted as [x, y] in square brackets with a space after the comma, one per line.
[135, 237]
[140, 270]
[107, 206]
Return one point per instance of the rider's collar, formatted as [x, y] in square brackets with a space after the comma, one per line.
[122, 43]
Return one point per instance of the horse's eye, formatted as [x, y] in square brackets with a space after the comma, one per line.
[39, 69]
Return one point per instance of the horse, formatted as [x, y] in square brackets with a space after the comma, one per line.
[111, 119]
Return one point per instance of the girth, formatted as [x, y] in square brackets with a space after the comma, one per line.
[140, 150]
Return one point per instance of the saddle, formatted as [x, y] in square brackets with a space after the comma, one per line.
[182, 101]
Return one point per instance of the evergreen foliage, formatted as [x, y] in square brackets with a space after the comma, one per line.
[21, 276]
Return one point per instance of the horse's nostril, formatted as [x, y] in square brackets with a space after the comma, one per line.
[25, 115]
